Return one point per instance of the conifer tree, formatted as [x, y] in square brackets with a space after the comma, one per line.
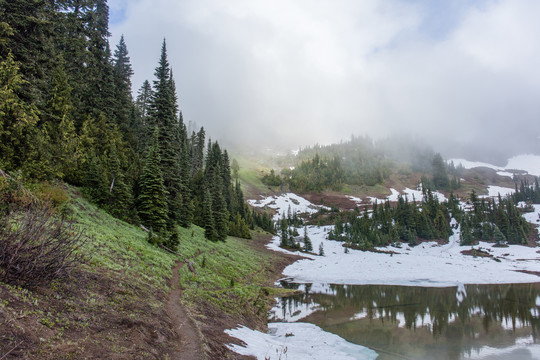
[17, 119]
[321, 249]
[308, 246]
[163, 116]
[120, 200]
[207, 217]
[152, 201]
[62, 153]
[440, 173]
[219, 206]
[498, 236]
[124, 103]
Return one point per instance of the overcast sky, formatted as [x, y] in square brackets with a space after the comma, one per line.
[299, 72]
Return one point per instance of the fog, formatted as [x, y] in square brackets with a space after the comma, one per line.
[464, 75]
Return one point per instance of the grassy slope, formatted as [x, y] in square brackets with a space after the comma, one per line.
[250, 174]
[113, 306]
[252, 170]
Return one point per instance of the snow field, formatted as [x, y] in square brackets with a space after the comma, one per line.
[427, 264]
[527, 162]
[284, 202]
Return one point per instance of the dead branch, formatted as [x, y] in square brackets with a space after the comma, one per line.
[10, 351]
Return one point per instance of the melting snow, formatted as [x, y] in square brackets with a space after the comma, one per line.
[427, 264]
[296, 341]
[494, 191]
[283, 202]
[527, 162]
[524, 348]
[473, 164]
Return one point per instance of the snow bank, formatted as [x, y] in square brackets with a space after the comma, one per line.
[427, 264]
[408, 194]
[527, 162]
[296, 341]
[283, 202]
[494, 191]
[524, 348]
[292, 314]
[473, 164]
[355, 199]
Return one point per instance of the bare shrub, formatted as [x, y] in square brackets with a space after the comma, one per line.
[37, 247]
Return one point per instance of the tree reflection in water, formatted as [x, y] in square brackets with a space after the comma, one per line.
[421, 322]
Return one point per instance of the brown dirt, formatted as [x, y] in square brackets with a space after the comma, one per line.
[331, 199]
[90, 316]
[188, 341]
[476, 253]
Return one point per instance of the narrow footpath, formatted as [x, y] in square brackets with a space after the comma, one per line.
[189, 344]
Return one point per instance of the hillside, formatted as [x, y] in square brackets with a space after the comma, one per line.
[130, 299]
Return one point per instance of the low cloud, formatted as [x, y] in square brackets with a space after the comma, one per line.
[293, 73]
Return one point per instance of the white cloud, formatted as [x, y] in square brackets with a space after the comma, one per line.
[307, 71]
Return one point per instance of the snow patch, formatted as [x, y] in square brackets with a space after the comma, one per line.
[285, 313]
[505, 173]
[283, 202]
[524, 348]
[296, 341]
[355, 199]
[473, 164]
[494, 191]
[527, 162]
[427, 264]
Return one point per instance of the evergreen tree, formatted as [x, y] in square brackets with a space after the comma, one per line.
[17, 119]
[440, 173]
[28, 42]
[143, 101]
[308, 246]
[220, 213]
[120, 200]
[63, 152]
[498, 236]
[152, 201]
[163, 116]
[124, 113]
[321, 249]
[208, 219]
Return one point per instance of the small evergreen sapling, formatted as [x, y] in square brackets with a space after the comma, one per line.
[308, 245]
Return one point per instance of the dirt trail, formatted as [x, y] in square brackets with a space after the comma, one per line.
[189, 344]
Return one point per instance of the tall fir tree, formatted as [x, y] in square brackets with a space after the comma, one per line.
[207, 217]
[152, 201]
[18, 118]
[124, 112]
[163, 115]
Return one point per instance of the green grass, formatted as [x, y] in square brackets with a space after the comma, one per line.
[228, 274]
[115, 245]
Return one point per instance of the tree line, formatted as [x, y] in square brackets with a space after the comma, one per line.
[363, 161]
[67, 113]
[496, 220]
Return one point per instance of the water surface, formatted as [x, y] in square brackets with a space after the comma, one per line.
[407, 322]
